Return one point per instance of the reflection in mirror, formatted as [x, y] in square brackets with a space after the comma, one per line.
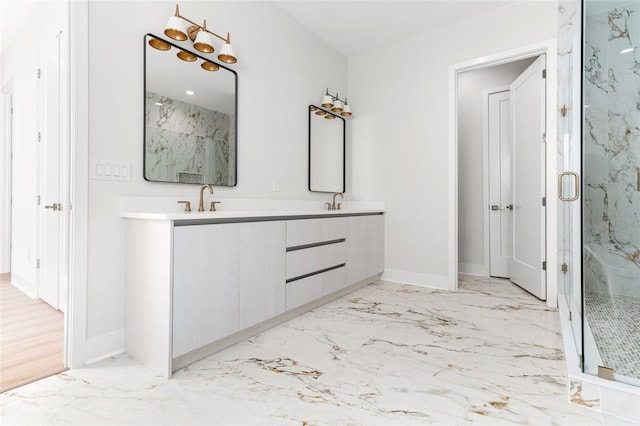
[326, 151]
[190, 117]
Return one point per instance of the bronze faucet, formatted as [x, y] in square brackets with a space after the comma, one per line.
[333, 205]
[201, 202]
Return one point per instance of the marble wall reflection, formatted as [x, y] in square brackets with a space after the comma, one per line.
[187, 143]
[612, 142]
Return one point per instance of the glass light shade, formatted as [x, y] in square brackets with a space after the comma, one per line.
[226, 54]
[156, 43]
[203, 42]
[210, 66]
[346, 112]
[175, 29]
[338, 106]
[186, 56]
[327, 102]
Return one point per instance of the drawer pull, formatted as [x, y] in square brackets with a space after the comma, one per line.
[318, 244]
[315, 273]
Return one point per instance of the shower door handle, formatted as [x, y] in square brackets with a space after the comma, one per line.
[576, 187]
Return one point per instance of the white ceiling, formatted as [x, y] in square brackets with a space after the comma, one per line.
[356, 26]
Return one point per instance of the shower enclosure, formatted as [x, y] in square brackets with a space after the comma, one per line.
[610, 260]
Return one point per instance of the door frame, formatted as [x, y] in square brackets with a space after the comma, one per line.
[78, 189]
[6, 94]
[486, 189]
[548, 47]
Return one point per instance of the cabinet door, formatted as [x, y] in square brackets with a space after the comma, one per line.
[262, 271]
[365, 247]
[205, 285]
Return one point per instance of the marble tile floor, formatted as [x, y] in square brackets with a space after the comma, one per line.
[387, 354]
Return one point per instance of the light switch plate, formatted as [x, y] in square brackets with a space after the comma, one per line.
[110, 170]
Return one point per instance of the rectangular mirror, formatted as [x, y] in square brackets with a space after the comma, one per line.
[190, 113]
[326, 151]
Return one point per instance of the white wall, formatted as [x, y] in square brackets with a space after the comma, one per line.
[471, 185]
[19, 76]
[282, 68]
[400, 132]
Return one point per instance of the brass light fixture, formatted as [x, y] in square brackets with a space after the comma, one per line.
[201, 37]
[185, 55]
[322, 113]
[335, 104]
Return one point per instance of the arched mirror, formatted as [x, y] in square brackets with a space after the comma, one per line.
[326, 151]
[190, 116]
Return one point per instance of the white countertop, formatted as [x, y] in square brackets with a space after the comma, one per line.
[154, 208]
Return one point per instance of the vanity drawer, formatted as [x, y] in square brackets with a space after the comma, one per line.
[310, 231]
[314, 259]
[314, 287]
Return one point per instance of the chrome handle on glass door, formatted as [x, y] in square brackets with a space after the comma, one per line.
[576, 187]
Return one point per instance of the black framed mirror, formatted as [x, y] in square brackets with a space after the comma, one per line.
[190, 116]
[326, 151]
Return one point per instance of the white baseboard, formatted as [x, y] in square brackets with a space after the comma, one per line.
[471, 269]
[28, 287]
[415, 278]
[104, 346]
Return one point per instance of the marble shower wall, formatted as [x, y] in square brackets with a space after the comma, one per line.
[187, 143]
[611, 148]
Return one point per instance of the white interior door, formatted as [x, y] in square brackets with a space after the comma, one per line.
[50, 214]
[500, 216]
[528, 179]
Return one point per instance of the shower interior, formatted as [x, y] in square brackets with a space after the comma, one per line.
[611, 190]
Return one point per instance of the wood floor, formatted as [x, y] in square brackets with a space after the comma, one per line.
[31, 338]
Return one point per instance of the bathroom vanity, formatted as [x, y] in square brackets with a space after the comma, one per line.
[199, 282]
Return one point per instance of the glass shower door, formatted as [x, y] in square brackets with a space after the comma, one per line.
[569, 162]
[611, 189]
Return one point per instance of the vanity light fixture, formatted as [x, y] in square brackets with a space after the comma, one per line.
[318, 111]
[335, 104]
[201, 37]
[186, 56]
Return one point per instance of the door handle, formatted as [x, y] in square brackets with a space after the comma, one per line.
[576, 188]
[55, 207]
[495, 207]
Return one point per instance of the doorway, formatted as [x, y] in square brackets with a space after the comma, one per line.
[471, 196]
[35, 246]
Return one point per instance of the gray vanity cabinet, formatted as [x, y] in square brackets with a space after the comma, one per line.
[365, 247]
[206, 285]
[226, 278]
[262, 269]
[194, 287]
